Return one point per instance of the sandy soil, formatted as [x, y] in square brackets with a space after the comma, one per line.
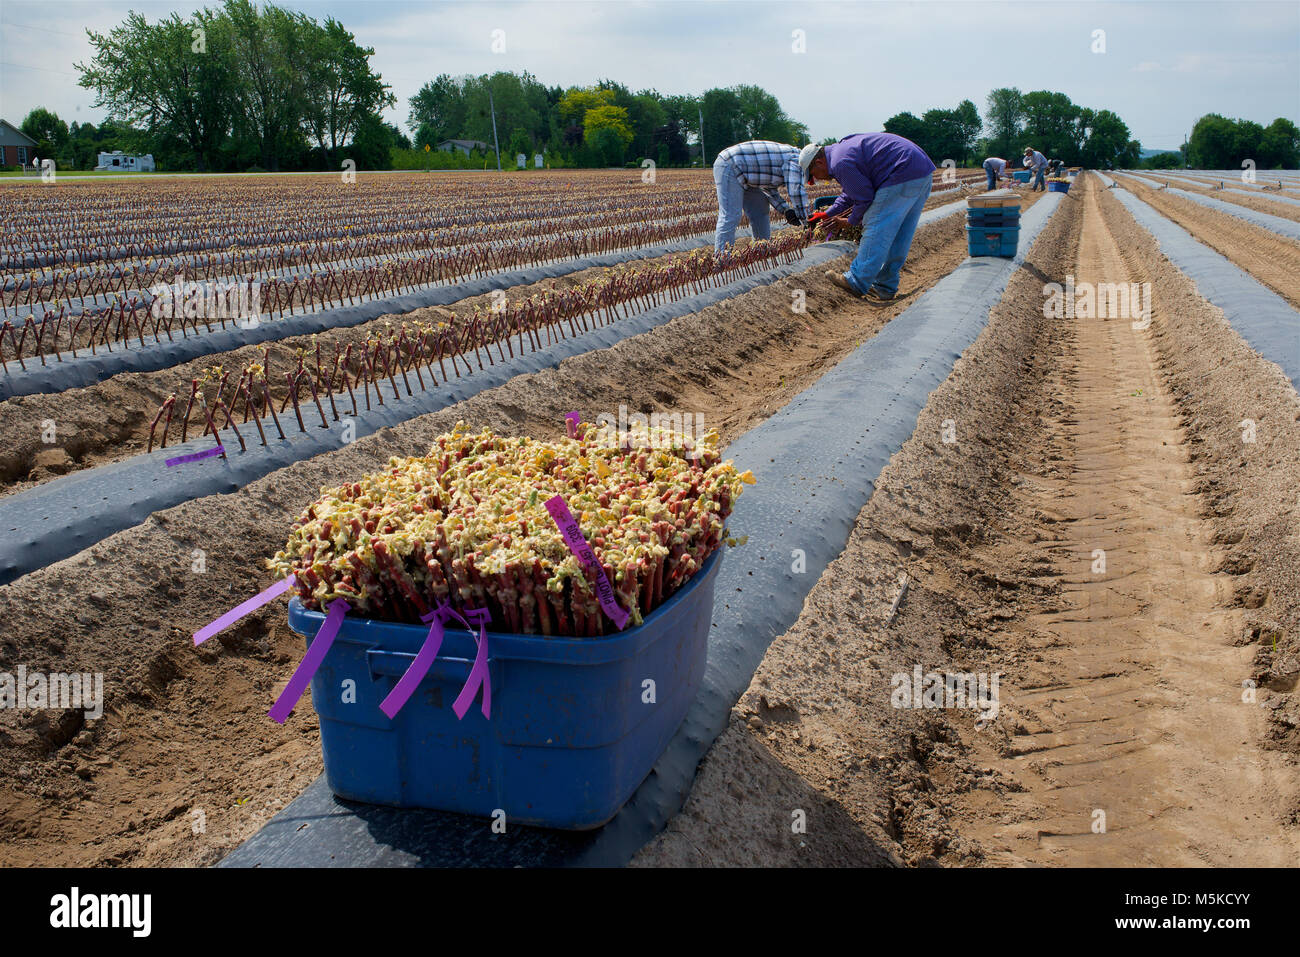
[1122, 691]
[185, 729]
[110, 420]
[1272, 259]
[1129, 742]
[1263, 202]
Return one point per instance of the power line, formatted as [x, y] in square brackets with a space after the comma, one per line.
[24, 66]
[24, 26]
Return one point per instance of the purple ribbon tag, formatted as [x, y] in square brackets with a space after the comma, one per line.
[320, 647]
[196, 456]
[571, 421]
[577, 543]
[478, 675]
[413, 675]
[242, 609]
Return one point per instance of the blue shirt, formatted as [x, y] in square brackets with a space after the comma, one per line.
[866, 162]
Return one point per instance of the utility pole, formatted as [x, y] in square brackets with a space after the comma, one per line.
[495, 142]
[701, 109]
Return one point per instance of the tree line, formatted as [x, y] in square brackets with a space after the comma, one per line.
[240, 86]
[249, 87]
[605, 124]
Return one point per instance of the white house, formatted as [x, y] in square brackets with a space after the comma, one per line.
[117, 160]
[465, 146]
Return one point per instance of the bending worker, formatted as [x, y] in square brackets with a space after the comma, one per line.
[995, 168]
[1037, 162]
[884, 181]
[747, 176]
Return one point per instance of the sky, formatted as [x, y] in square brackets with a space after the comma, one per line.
[1164, 63]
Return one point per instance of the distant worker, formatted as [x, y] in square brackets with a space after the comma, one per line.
[1054, 167]
[1037, 162]
[995, 168]
[747, 176]
[884, 183]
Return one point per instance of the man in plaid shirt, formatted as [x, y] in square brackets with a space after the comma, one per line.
[748, 176]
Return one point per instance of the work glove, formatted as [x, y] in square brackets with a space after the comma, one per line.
[792, 217]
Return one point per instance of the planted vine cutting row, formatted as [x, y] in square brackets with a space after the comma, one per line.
[418, 355]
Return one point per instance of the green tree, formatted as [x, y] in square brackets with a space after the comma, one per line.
[1108, 139]
[1279, 146]
[722, 123]
[371, 148]
[341, 90]
[520, 142]
[1246, 141]
[1050, 124]
[438, 111]
[1212, 142]
[1004, 114]
[162, 75]
[606, 144]
[507, 94]
[613, 118]
[49, 132]
[967, 126]
[270, 45]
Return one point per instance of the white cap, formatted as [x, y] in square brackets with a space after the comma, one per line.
[807, 155]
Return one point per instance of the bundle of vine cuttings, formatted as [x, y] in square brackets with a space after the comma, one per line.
[467, 525]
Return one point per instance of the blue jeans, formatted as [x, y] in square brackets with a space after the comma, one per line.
[1039, 182]
[887, 231]
[992, 175]
[733, 199]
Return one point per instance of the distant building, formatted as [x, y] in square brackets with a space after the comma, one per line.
[127, 163]
[465, 146]
[16, 147]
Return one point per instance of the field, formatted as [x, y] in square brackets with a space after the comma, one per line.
[1099, 507]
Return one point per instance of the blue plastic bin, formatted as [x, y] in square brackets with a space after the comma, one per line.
[996, 216]
[1058, 187]
[1022, 175]
[992, 241]
[570, 738]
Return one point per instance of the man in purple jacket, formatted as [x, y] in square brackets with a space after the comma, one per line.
[884, 181]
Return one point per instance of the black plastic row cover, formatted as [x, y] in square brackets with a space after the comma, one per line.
[816, 461]
[61, 517]
[85, 369]
[70, 513]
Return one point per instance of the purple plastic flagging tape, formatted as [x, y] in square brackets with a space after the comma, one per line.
[320, 647]
[242, 609]
[571, 421]
[195, 456]
[428, 653]
[413, 675]
[478, 675]
[577, 543]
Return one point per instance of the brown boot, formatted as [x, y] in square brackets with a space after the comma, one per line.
[839, 280]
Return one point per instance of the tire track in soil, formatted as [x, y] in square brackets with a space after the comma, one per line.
[1130, 705]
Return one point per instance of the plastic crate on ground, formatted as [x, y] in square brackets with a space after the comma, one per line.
[571, 734]
[992, 241]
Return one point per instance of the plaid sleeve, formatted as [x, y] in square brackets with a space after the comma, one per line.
[795, 187]
[777, 203]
